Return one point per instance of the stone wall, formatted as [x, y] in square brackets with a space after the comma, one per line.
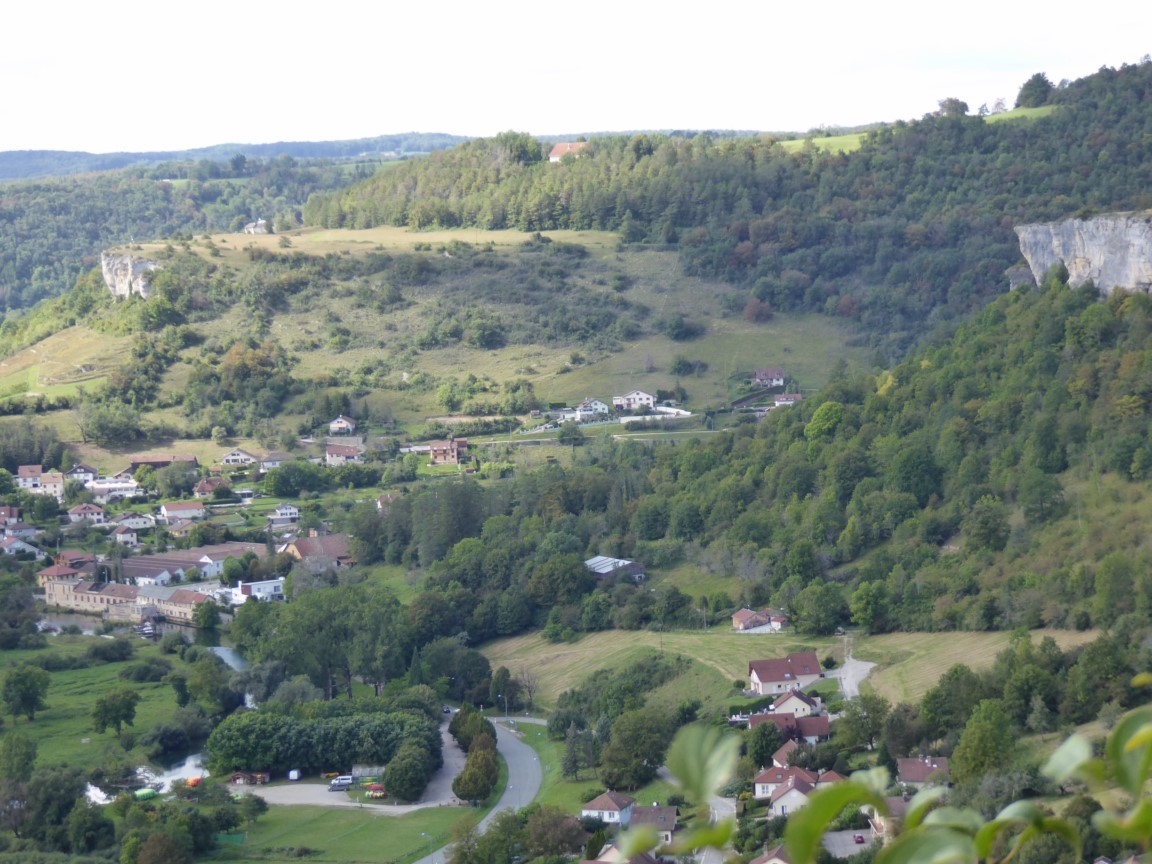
[1113, 250]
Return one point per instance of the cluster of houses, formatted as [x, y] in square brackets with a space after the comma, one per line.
[785, 788]
[148, 587]
[637, 403]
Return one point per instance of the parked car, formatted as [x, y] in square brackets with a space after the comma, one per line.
[857, 838]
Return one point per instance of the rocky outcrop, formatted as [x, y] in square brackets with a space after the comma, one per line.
[1113, 251]
[126, 275]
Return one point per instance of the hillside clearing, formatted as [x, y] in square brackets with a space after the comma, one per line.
[908, 664]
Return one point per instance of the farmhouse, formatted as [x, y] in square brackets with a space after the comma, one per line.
[813, 728]
[768, 378]
[566, 148]
[81, 473]
[238, 457]
[176, 510]
[451, 452]
[207, 487]
[274, 460]
[336, 455]
[746, 619]
[778, 676]
[321, 549]
[923, 771]
[765, 784]
[28, 476]
[91, 512]
[611, 808]
[125, 536]
[285, 514]
[633, 401]
[51, 483]
[342, 425]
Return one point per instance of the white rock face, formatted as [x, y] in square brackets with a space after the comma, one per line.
[125, 275]
[1114, 251]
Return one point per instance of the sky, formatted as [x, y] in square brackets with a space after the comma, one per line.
[125, 75]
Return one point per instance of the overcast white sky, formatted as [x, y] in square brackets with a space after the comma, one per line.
[134, 75]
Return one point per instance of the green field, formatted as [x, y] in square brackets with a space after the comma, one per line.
[342, 834]
[908, 664]
[829, 143]
[63, 731]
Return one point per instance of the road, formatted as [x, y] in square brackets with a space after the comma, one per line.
[524, 779]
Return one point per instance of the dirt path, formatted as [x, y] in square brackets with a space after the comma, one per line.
[852, 675]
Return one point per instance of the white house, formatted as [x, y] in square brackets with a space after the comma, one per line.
[342, 425]
[135, 521]
[801, 669]
[51, 483]
[611, 808]
[16, 546]
[633, 401]
[274, 460]
[342, 454]
[769, 378]
[81, 472]
[28, 476]
[126, 536]
[91, 512]
[268, 589]
[285, 514]
[787, 399]
[108, 489]
[798, 703]
[177, 510]
[238, 457]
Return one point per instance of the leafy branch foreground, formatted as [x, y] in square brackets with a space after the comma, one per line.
[704, 759]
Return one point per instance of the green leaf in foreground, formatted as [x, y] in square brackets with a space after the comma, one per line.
[703, 758]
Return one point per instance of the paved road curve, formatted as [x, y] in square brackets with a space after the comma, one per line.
[524, 779]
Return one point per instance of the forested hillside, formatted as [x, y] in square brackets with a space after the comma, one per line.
[914, 227]
[992, 481]
[52, 231]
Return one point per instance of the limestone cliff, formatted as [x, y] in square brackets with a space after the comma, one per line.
[126, 275]
[1113, 250]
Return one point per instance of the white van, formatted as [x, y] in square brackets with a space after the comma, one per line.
[341, 783]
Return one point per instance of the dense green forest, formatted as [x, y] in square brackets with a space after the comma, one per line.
[914, 227]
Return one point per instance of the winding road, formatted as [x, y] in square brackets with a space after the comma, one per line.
[524, 780]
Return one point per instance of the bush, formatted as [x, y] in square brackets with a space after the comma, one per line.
[110, 650]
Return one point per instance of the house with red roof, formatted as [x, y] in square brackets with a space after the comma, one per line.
[922, 771]
[800, 669]
[565, 148]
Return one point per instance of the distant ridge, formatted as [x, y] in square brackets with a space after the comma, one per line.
[31, 164]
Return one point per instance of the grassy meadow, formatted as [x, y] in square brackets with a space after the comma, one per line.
[343, 835]
[63, 731]
[908, 664]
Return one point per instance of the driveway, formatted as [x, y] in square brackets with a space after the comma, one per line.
[852, 675]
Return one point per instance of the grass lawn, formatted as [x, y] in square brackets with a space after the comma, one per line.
[63, 731]
[829, 143]
[343, 835]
